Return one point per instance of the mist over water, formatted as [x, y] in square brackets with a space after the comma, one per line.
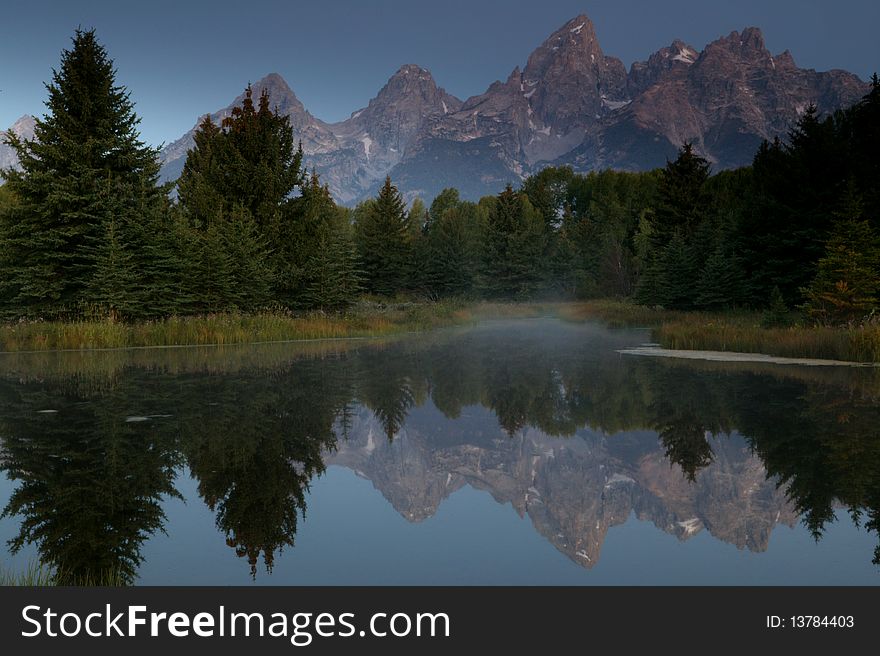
[526, 451]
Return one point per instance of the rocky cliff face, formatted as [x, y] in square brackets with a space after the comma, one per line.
[573, 490]
[24, 128]
[571, 105]
[725, 100]
[354, 154]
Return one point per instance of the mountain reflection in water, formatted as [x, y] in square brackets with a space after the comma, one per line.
[543, 415]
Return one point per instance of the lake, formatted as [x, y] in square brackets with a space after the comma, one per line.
[511, 452]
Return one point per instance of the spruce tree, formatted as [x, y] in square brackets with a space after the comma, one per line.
[513, 247]
[384, 241]
[85, 165]
[449, 251]
[249, 161]
[681, 202]
[200, 193]
[234, 192]
[847, 285]
[865, 145]
[670, 243]
[796, 190]
[324, 267]
[115, 273]
[720, 282]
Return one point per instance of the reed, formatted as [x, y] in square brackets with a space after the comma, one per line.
[38, 574]
[365, 319]
[617, 313]
[737, 331]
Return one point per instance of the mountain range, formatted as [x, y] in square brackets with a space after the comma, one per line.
[570, 105]
[572, 490]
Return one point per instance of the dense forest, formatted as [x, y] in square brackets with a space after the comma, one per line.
[87, 230]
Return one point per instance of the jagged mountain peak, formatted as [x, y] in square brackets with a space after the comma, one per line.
[672, 60]
[274, 79]
[680, 51]
[570, 104]
[574, 82]
[410, 80]
[413, 71]
[281, 98]
[785, 59]
[24, 126]
[573, 42]
[750, 38]
[579, 29]
[748, 44]
[409, 98]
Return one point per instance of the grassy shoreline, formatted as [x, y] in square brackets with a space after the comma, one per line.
[366, 319]
[738, 331]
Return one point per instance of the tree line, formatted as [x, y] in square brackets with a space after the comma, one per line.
[87, 230]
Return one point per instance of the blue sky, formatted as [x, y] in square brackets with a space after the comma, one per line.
[182, 59]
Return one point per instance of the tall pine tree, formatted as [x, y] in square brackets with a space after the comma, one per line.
[324, 268]
[85, 167]
[249, 162]
[847, 285]
[513, 248]
[384, 240]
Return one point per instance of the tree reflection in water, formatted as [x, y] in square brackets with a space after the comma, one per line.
[93, 476]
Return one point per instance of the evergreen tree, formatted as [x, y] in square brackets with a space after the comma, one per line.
[384, 241]
[679, 274]
[140, 265]
[230, 267]
[864, 146]
[252, 275]
[790, 208]
[651, 287]
[720, 283]
[777, 314]
[682, 203]
[85, 165]
[672, 242]
[327, 267]
[847, 285]
[115, 277]
[248, 162]
[513, 247]
[449, 249]
[211, 272]
[234, 192]
[199, 191]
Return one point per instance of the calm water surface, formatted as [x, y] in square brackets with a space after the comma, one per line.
[520, 452]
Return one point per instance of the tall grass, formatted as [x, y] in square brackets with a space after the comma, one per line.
[738, 331]
[854, 344]
[617, 313]
[38, 574]
[366, 319]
